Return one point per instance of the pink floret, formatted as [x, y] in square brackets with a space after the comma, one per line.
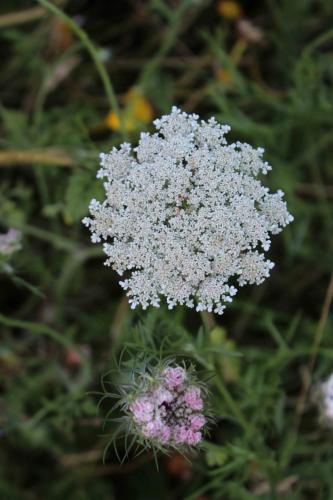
[193, 398]
[193, 437]
[174, 376]
[151, 429]
[162, 395]
[165, 434]
[142, 409]
[197, 422]
[183, 435]
[157, 430]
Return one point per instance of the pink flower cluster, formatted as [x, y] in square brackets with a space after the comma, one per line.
[169, 412]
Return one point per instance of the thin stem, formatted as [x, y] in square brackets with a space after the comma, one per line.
[233, 407]
[319, 332]
[209, 323]
[208, 320]
[56, 157]
[50, 237]
[307, 373]
[90, 47]
[21, 17]
[36, 328]
[168, 41]
[320, 40]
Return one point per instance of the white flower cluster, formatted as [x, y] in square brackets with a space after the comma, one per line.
[186, 215]
[326, 400]
[10, 242]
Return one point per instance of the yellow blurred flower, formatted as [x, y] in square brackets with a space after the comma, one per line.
[138, 111]
[112, 121]
[141, 107]
[226, 76]
[229, 9]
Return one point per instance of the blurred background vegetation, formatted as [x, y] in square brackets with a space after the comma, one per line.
[266, 68]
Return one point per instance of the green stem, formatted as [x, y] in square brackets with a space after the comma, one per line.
[209, 323]
[208, 320]
[54, 239]
[90, 47]
[36, 328]
[233, 407]
[320, 40]
[168, 41]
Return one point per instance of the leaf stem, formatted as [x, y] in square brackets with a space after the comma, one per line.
[231, 403]
[36, 328]
[92, 50]
[169, 39]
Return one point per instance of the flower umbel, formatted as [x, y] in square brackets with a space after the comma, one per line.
[165, 408]
[186, 215]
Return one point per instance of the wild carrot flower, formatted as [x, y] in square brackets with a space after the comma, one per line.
[186, 215]
[165, 407]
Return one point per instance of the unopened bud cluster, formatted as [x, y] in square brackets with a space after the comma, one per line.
[167, 408]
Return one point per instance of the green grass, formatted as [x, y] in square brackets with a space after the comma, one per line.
[63, 319]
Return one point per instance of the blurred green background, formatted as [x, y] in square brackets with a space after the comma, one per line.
[266, 68]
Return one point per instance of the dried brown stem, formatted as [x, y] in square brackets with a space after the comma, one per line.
[52, 156]
[86, 459]
[24, 16]
[314, 190]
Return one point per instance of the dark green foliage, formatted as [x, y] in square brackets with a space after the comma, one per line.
[63, 320]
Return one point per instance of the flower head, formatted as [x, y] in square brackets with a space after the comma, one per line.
[165, 408]
[185, 214]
